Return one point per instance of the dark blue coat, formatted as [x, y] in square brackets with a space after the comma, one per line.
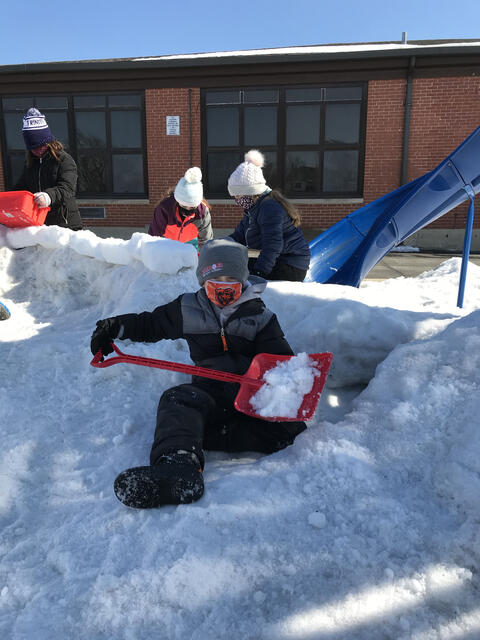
[268, 227]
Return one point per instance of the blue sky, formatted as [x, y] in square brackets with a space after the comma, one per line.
[56, 30]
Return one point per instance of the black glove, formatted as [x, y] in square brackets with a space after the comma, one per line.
[106, 331]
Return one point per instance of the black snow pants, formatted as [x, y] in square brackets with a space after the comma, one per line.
[281, 271]
[201, 415]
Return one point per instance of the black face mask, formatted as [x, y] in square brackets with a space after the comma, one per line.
[185, 212]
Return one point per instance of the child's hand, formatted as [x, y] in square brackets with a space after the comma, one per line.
[106, 331]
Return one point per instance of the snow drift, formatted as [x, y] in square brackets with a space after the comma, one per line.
[367, 527]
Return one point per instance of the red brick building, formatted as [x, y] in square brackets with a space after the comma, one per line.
[340, 125]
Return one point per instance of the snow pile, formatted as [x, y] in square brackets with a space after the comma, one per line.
[362, 326]
[156, 254]
[367, 527]
[284, 388]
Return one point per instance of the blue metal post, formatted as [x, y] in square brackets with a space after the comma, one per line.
[466, 245]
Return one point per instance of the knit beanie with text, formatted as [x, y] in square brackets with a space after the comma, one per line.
[223, 257]
[36, 132]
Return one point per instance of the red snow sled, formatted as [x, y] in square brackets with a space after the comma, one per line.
[250, 382]
[17, 209]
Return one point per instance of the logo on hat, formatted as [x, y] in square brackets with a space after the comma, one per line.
[216, 266]
[35, 123]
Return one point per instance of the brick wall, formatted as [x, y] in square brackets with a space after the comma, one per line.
[444, 112]
[168, 156]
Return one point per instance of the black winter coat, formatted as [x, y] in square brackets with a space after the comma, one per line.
[59, 180]
[268, 227]
[250, 330]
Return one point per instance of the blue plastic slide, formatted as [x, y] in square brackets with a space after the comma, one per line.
[346, 252]
[4, 312]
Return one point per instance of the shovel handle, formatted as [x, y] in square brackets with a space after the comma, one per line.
[98, 361]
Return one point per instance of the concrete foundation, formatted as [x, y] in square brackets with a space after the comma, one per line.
[443, 240]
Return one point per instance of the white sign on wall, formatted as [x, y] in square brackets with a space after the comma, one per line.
[173, 125]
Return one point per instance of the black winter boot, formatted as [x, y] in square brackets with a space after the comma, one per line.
[176, 478]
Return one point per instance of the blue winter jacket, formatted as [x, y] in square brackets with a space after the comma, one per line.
[268, 227]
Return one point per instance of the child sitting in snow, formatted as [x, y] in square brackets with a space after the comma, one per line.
[225, 324]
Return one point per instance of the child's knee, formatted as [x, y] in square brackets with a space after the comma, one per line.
[187, 395]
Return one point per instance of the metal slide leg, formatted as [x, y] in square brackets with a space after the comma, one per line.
[466, 246]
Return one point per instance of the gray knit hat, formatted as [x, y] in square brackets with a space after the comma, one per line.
[223, 257]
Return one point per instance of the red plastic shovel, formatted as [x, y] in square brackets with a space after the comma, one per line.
[250, 382]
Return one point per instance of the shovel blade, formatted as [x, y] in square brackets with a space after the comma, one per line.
[260, 364]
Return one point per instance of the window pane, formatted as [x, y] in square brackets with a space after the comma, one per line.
[13, 130]
[126, 129]
[128, 173]
[340, 171]
[92, 172]
[343, 93]
[222, 97]
[90, 128]
[304, 95]
[58, 125]
[303, 125]
[89, 101]
[51, 102]
[19, 104]
[270, 169]
[219, 167]
[302, 173]
[342, 123]
[222, 127]
[270, 95]
[260, 126]
[124, 101]
[17, 163]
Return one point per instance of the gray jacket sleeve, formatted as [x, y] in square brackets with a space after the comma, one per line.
[205, 231]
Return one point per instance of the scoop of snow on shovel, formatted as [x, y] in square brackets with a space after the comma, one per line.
[285, 387]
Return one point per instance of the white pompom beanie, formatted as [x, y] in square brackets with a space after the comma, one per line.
[189, 190]
[247, 179]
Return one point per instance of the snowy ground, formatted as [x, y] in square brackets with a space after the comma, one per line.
[366, 528]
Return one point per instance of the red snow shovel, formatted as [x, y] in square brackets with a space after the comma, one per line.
[250, 382]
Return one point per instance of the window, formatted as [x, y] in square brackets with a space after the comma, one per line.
[104, 133]
[313, 138]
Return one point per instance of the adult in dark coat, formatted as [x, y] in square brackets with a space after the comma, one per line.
[225, 325]
[270, 223]
[50, 173]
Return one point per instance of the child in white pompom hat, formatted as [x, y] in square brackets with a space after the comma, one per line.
[184, 215]
[270, 223]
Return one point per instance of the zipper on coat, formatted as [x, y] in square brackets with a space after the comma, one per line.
[183, 221]
[224, 341]
[39, 170]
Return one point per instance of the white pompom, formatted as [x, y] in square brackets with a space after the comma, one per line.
[193, 174]
[255, 157]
